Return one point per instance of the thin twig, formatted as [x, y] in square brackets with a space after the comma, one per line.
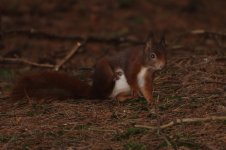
[202, 32]
[101, 130]
[68, 56]
[199, 32]
[184, 120]
[56, 67]
[25, 61]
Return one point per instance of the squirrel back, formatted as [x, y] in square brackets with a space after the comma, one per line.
[50, 85]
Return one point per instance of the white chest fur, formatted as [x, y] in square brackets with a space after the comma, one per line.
[141, 77]
[121, 85]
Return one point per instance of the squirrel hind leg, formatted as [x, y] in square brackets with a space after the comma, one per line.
[121, 97]
[103, 80]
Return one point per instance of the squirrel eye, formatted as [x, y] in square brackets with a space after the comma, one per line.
[153, 55]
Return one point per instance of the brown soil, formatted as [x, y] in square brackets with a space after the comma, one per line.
[192, 85]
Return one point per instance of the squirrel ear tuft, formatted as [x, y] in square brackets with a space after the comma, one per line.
[149, 40]
[162, 40]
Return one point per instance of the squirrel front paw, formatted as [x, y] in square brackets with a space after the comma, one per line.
[117, 75]
[150, 103]
[135, 93]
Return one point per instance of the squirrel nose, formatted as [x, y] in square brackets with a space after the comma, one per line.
[161, 65]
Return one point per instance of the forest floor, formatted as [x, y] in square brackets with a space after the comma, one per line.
[193, 84]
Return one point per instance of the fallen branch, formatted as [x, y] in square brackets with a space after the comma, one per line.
[25, 61]
[216, 36]
[184, 120]
[204, 32]
[201, 32]
[101, 130]
[56, 67]
[31, 33]
[68, 56]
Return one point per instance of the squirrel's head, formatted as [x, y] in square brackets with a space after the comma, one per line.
[154, 53]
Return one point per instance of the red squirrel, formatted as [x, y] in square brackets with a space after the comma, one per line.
[122, 76]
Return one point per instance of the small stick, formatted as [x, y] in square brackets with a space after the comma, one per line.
[68, 56]
[25, 61]
[101, 130]
[201, 32]
[183, 120]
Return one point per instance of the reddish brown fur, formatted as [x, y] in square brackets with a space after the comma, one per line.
[148, 88]
[123, 96]
[103, 79]
[132, 70]
[49, 85]
[61, 86]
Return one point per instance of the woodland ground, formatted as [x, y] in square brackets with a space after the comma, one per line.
[192, 85]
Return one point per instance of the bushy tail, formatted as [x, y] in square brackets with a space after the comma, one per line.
[50, 85]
